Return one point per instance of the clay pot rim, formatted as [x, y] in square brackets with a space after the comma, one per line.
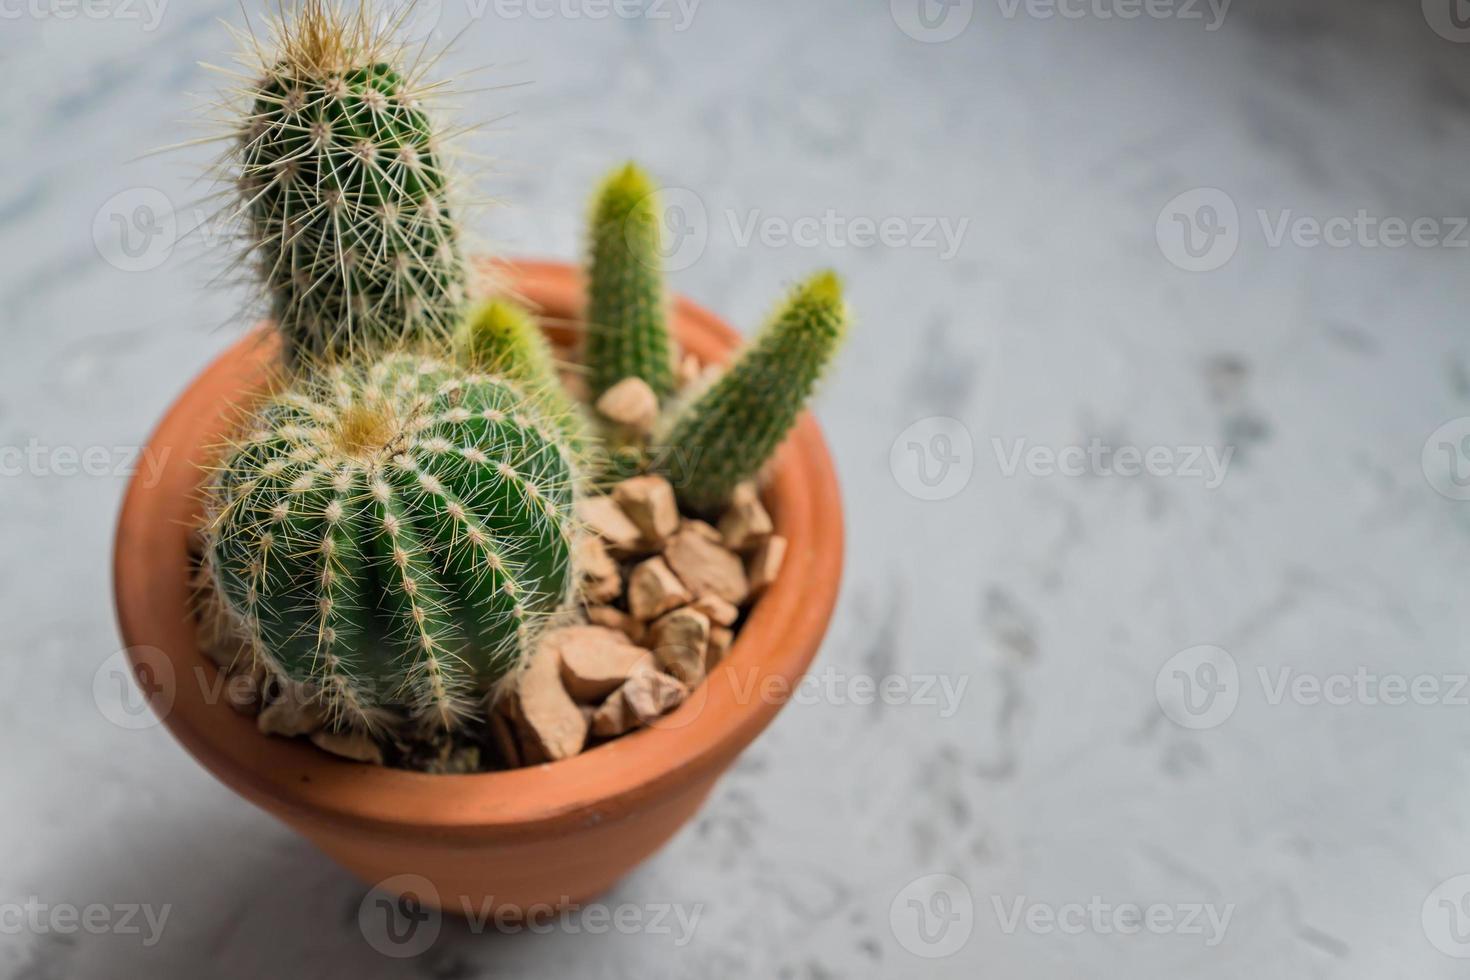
[770, 655]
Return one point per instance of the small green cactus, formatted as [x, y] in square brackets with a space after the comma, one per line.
[503, 337]
[627, 315]
[345, 190]
[730, 430]
[393, 535]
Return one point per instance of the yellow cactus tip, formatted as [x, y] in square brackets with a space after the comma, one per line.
[497, 315]
[824, 287]
[629, 183]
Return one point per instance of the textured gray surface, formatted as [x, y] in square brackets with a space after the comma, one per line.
[1056, 600]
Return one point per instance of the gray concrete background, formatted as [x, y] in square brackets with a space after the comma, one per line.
[1096, 757]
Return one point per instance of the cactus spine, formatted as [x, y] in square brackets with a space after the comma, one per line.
[627, 317]
[502, 337]
[734, 427]
[393, 534]
[345, 191]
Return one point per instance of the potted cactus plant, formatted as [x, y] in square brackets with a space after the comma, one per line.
[509, 561]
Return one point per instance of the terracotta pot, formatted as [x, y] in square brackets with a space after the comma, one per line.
[547, 834]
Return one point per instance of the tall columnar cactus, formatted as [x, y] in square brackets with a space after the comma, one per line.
[503, 337]
[627, 316]
[345, 190]
[731, 429]
[393, 535]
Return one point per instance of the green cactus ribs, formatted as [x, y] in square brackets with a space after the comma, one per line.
[734, 427]
[346, 195]
[627, 316]
[393, 535]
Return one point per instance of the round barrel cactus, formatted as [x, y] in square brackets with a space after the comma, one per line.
[393, 534]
